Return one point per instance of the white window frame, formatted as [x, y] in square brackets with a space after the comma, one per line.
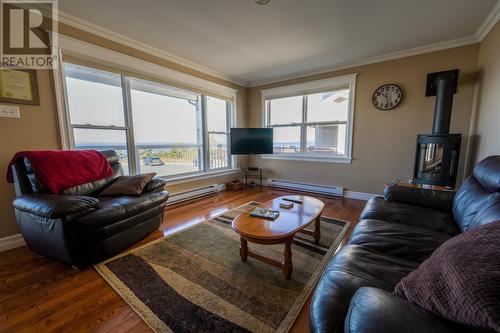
[95, 54]
[303, 89]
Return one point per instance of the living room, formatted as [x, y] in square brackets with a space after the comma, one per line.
[250, 166]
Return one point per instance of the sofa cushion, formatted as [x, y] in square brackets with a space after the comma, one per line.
[375, 310]
[351, 268]
[118, 208]
[487, 173]
[89, 188]
[420, 196]
[379, 209]
[396, 239]
[487, 215]
[461, 280]
[470, 200]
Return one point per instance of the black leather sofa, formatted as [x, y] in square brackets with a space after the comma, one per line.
[395, 234]
[78, 227]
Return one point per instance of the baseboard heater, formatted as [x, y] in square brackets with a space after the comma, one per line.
[177, 197]
[336, 191]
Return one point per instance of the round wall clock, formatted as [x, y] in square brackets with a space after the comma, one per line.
[387, 97]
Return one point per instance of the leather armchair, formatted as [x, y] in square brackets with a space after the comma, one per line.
[77, 226]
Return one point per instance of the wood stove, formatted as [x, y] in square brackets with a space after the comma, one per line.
[436, 160]
[437, 154]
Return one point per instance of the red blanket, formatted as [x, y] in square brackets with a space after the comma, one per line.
[58, 170]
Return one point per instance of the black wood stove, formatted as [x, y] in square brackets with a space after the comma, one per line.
[437, 155]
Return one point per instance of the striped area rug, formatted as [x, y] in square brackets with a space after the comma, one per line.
[195, 281]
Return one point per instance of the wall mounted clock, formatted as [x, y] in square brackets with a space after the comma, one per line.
[387, 97]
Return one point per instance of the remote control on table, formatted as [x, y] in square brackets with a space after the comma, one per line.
[293, 200]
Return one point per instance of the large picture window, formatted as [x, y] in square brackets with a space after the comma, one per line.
[154, 127]
[311, 121]
[166, 128]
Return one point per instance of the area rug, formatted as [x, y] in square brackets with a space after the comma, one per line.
[195, 281]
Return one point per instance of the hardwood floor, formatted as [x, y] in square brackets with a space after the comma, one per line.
[38, 294]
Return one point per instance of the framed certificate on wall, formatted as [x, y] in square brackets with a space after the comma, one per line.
[19, 86]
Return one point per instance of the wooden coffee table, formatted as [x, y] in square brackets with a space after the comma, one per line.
[281, 230]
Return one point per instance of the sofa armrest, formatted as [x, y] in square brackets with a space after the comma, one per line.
[374, 310]
[441, 200]
[155, 185]
[55, 205]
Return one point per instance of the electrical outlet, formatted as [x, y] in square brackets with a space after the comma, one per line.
[9, 111]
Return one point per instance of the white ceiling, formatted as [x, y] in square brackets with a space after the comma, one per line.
[254, 43]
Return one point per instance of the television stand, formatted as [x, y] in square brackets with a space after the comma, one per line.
[250, 171]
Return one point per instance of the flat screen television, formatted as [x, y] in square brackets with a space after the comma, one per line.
[246, 141]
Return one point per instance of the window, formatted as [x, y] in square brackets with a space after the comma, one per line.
[311, 121]
[154, 127]
[218, 115]
[97, 122]
[167, 127]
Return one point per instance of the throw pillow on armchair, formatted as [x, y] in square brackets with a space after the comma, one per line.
[128, 185]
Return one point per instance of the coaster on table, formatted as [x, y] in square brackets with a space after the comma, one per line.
[286, 205]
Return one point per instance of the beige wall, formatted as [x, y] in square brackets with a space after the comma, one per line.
[38, 127]
[486, 137]
[384, 142]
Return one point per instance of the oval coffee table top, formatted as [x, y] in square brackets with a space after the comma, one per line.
[288, 223]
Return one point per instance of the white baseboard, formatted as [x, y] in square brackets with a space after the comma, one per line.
[359, 195]
[329, 190]
[11, 242]
[194, 193]
[313, 188]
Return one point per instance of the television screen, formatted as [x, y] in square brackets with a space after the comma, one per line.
[245, 141]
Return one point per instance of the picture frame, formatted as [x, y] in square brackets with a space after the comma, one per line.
[19, 86]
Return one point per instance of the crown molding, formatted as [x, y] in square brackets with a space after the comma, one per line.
[371, 60]
[311, 86]
[97, 30]
[489, 22]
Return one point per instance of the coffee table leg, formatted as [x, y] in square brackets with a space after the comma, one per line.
[243, 249]
[317, 230]
[287, 259]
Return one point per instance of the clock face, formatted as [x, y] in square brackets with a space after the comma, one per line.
[387, 97]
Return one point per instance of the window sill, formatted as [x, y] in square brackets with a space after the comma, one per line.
[199, 176]
[309, 158]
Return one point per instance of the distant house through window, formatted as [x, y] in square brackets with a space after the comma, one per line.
[312, 120]
[154, 127]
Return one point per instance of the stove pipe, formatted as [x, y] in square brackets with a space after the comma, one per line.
[442, 85]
